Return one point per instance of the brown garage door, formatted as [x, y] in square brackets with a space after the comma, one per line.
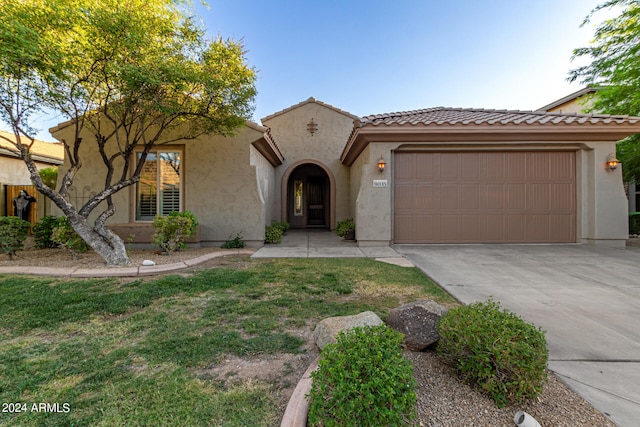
[485, 197]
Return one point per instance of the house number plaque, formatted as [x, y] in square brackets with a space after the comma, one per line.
[380, 183]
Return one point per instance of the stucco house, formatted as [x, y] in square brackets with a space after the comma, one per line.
[436, 175]
[15, 176]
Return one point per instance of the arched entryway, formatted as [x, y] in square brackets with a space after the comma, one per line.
[308, 195]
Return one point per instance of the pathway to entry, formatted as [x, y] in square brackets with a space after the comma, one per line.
[321, 243]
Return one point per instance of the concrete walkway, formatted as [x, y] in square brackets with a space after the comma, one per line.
[586, 298]
[320, 243]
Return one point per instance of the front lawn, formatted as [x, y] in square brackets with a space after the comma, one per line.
[111, 352]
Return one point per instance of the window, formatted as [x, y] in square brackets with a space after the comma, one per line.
[298, 185]
[159, 189]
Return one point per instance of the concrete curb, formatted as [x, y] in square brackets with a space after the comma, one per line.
[121, 271]
[296, 413]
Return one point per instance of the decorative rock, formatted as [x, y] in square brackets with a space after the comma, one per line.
[148, 263]
[418, 322]
[327, 330]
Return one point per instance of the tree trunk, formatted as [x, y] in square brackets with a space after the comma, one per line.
[106, 244]
[103, 241]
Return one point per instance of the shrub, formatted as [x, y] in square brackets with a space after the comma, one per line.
[363, 380]
[235, 243]
[272, 234]
[49, 176]
[13, 233]
[634, 222]
[342, 227]
[284, 225]
[494, 350]
[64, 235]
[173, 230]
[42, 232]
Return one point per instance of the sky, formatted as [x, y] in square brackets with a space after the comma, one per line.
[371, 56]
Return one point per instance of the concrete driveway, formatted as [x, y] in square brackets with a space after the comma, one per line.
[586, 298]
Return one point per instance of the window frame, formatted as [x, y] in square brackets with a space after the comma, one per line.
[134, 188]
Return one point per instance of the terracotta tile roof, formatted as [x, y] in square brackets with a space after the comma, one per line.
[267, 144]
[309, 101]
[50, 152]
[471, 116]
[442, 125]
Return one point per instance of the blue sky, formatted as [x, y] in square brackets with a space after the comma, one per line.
[370, 57]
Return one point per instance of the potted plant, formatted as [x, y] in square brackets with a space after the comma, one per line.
[346, 229]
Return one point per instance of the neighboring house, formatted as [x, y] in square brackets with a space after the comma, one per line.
[14, 172]
[450, 175]
[578, 102]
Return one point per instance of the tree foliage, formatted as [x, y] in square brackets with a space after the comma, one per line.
[131, 74]
[615, 67]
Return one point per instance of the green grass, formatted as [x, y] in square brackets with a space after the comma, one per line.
[127, 353]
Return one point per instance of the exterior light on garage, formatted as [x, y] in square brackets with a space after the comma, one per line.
[381, 164]
[612, 163]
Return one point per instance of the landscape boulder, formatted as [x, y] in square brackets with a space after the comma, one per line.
[418, 321]
[327, 330]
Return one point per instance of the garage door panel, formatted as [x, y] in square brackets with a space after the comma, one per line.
[515, 197]
[471, 227]
[469, 166]
[469, 196]
[495, 167]
[537, 229]
[562, 196]
[515, 166]
[448, 166]
[424, 168]
[537, 197]
[405, 167]
[563, 226]
[404, 196]
[493, 197]
[449, 197]
[514, 228]
[424, 196]
[450, 228]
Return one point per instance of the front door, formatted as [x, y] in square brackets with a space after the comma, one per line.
[307, 197]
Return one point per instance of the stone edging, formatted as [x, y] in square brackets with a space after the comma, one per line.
[120, 271]
[296, 413]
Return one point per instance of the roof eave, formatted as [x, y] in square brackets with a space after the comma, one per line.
[362, 136]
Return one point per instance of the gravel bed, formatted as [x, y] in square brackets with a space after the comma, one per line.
[444, 401]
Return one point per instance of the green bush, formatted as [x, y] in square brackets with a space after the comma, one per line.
[13, 233]
[363, 380]
[634, 222]
[65, 236]
[236, 243]
[494, 350]
[343, 227]
[284, 225]
[273, 234]
[42, 232]
[173, 230]
[49, 176]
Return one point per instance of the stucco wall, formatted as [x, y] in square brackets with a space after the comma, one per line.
[227, 185]
[222, 187]
[323, 147]
[265, 177]
[373, 205]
